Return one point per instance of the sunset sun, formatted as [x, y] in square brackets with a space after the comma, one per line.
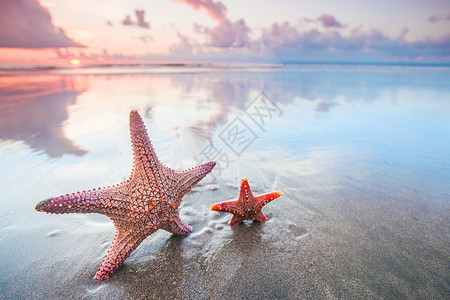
[75, 62]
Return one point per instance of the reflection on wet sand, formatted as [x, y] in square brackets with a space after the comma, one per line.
[227, 94]
[222, 96]
[34, 109]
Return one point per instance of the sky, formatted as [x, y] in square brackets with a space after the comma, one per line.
[59, 32]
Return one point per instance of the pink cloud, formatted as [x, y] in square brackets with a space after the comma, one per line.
[140, 16]
[329, 21]
[216, 10]
[146, 38]
[226, 34]
[439, 18]
[229, 34]
[280, 36]
[26, 24]
[285, 40]
[127, 21]
[186, 46]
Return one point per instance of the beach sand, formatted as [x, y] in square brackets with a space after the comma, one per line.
[344, 244]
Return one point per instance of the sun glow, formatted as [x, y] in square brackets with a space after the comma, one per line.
[75, 62]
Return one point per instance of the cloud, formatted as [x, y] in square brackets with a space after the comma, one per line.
[439, 18]
[324, 106]
[281, 36]
[329, 21]
[185, 46]
[216, 10]
[127, 21]
[226, 34]
[146, 38]
[26, 24]
[282, 42]
[403, 33]
[285, 40]
[140, 16]
[229, 34]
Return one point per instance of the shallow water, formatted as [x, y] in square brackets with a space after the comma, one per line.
[360, 153]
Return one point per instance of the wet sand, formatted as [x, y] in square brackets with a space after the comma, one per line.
[355, 220]
[312, 246]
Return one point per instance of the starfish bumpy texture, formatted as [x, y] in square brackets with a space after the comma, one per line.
[247, 206]
[147, 201]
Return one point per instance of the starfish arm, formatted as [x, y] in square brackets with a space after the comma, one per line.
[147, 168]
[107, 201]
[245, 190]
[124, 243]
[231, 206]
[177, 226]
[79, 202]
[187, 179]
[259, 217]
[235, 220]
[142, 146]
[263, 199]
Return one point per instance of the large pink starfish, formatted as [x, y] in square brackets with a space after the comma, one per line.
[147, 201]
[247, 206]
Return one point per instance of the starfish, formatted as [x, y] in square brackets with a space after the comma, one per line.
[247, 206]
[147, 201]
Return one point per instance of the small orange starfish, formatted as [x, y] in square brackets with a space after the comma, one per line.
[247, 206]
